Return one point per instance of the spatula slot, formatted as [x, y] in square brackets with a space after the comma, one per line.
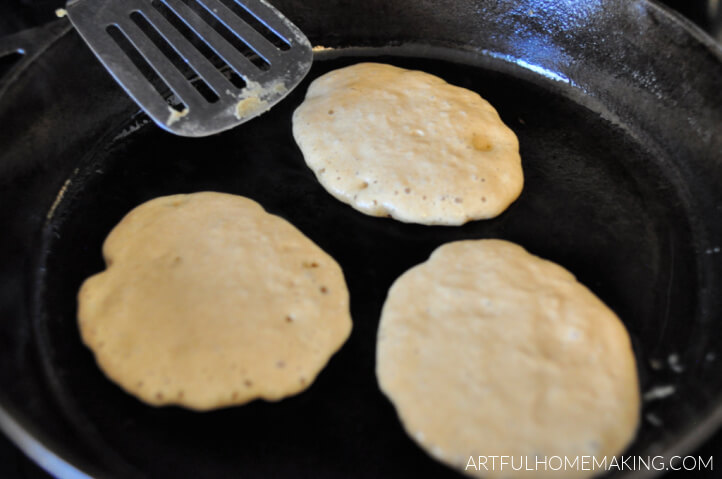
[218, 63]
[245, 14]
[228, 35]
[174, 56]
[144, 67]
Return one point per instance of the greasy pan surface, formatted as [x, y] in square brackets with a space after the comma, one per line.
[618, 114]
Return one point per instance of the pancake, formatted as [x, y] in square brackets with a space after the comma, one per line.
[406, 144]
[208, 301]
[486, 350]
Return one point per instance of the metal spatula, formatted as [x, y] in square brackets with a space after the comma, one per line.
[197, 67]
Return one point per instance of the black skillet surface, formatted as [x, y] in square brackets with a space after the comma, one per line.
[618, 113]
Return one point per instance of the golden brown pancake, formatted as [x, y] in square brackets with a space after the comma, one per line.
[406, 144]
[208, 301]
[486, 350]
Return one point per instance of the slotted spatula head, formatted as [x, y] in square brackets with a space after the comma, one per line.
[196, 67]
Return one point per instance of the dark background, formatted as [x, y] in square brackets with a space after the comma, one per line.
[16, 15]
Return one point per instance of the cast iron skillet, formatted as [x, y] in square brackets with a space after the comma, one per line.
[618, 110]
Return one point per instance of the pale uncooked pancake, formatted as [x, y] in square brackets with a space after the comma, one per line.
[488, 350]
[406, 144]
[209, 301]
